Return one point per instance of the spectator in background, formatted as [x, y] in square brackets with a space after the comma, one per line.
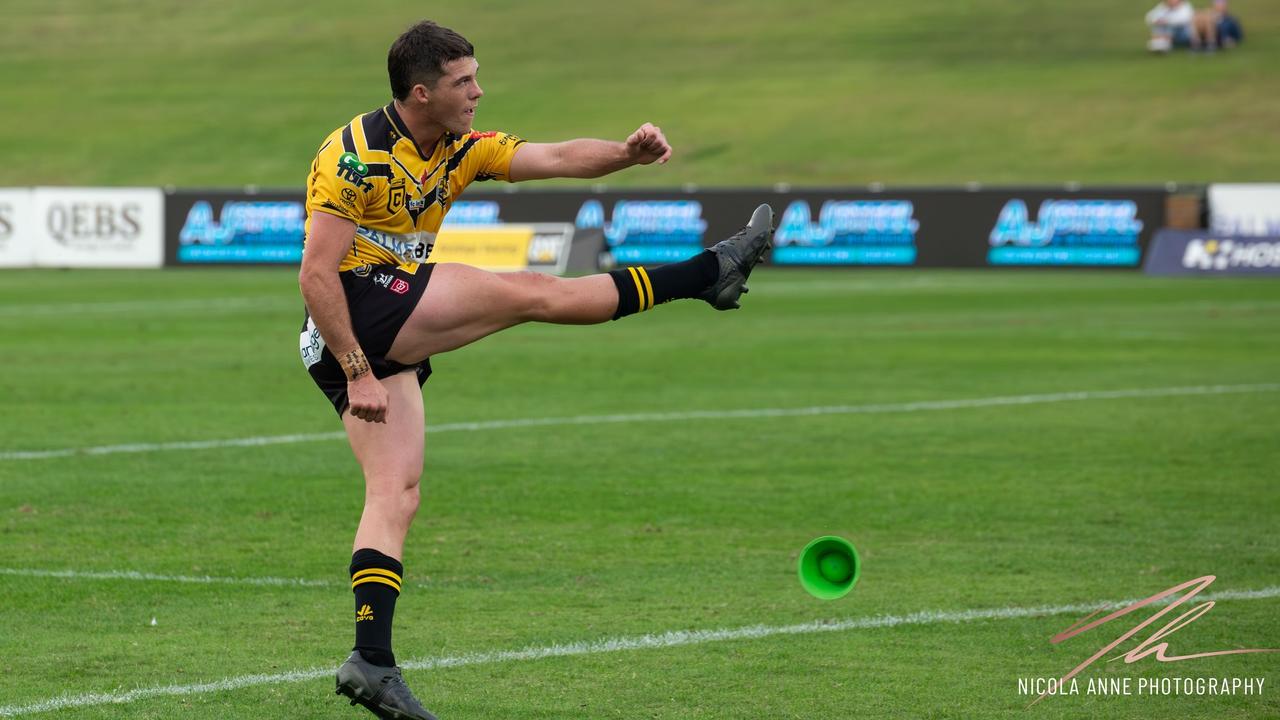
[1227, 30]
[1172, 24]
[1217, 28]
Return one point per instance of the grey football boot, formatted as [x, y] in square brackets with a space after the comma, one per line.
[738, 256]
[380, 689]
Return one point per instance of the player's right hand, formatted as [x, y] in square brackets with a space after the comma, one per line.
[367, 399]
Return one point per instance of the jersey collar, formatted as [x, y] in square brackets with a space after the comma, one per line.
[398, 123]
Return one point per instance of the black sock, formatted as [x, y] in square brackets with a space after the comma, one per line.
[376, 579]
[640, 288]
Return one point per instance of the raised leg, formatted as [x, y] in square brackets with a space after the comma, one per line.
[463, 304]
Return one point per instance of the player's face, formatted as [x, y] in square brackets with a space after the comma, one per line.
[452, 102]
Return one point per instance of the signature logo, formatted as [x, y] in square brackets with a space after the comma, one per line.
[1153, 645]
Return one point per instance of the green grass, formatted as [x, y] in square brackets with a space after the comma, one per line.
[753, 92]
[534, 536]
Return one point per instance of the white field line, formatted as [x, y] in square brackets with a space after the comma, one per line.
[155, 577]
[906, 407]
[142, 306]
[671, 639]
[137, 576]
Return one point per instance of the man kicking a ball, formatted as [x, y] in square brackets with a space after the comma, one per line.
[376, 312]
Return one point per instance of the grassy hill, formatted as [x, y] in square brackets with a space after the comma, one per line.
[750, 92]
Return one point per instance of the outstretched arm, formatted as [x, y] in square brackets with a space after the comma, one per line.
[586, 158]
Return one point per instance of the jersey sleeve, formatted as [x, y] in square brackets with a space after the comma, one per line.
[339, 182]
[490, 157]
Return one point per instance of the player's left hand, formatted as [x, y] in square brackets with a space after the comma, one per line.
[648, 144]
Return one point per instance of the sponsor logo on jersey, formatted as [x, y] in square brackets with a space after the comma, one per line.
[410, 247]
[396, 196]
[353, 171]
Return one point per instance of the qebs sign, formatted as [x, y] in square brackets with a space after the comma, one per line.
[98, 227]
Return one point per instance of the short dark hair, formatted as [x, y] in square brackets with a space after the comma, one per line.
[418, 56]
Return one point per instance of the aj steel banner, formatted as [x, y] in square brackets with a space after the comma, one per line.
[230, 228]
[1085, 227]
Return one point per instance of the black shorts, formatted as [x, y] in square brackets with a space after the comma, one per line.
[380, 299]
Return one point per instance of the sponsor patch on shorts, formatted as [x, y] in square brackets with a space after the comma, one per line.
[310, 344]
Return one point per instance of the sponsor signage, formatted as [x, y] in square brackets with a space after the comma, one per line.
[17, 235]
[499, 247]
[1104, 227]
[235, 228]
[847, 232]
[647, 231]
[98, 227]
[1067, 232]
[1200, 252]
[990, 227]
[546, 248]
[1246, 210]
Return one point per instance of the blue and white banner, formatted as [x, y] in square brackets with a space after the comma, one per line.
[647, 231]
[232, 228]
[1200, 252]
[1067, 232]
[848, 232]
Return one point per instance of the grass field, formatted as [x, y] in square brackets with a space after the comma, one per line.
[751, 92]
[593, 531]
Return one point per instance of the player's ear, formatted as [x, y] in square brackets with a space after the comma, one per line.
[420, 93]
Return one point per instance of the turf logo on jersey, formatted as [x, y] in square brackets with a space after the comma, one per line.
[399, 287]
[365, 613]
[353, 171]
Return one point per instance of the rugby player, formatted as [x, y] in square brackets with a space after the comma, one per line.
[377, 311]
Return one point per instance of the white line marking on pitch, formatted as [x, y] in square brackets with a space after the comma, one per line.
[183, 305]
[154, 577]
[906, 407]
[677, 638]
[137, 576]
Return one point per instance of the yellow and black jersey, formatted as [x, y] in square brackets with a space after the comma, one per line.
[372, 172]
